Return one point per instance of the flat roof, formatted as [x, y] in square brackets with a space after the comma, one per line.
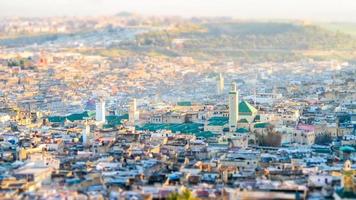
[32, 170]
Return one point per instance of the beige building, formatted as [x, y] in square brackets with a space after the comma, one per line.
[303, 137]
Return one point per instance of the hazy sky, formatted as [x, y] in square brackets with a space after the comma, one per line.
[319, 10]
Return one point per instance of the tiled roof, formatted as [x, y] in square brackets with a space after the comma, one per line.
[242, 130]
[348, 149]
[184, 103]
[182, 128]
[262, 125]
[56, 119]
[78, 116]
[115, 120]
[71, 117]
[218, 121]
[242, 121]
[257, 118]
[246, 108]
[204, 134]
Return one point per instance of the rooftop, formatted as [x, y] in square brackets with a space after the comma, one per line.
[181, 128]
[262, 125]
[246, 108]
[218, 121]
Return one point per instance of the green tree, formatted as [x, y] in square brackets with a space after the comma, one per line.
[272, 138]
[323, 139]
[185, 194]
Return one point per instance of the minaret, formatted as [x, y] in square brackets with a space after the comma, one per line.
[255, 91]
[133, 113]
[233, 107]
[220, 84]
[86, 134]
[347, 181]
[100, 111]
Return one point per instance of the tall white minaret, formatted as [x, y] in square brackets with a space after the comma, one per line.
[86, 134]
[220, 84]
[100, 111]
[233, 107]
[133, 113]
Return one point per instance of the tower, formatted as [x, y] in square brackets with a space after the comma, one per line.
[43, 59]
[86, 134]
[100, 111]
[220, 84]
[233, 107]
[133, 113]
[347, 181]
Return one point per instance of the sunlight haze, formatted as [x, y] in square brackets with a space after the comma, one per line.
[316, 10]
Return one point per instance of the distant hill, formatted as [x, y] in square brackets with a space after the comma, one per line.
[348, 28]
[274, 36]
[125, 14]
[212, 38]
[256, 41]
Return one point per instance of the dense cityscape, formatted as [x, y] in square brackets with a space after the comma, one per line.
[138, 107]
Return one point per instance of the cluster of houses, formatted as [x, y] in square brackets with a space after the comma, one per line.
[67, 130]
[176, 148]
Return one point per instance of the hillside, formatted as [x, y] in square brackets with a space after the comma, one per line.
[255, 41]
[209, 39]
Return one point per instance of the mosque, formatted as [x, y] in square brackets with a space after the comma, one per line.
[238, 120]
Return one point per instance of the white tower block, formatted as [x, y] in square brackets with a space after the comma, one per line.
[100, 111]
[133, 112]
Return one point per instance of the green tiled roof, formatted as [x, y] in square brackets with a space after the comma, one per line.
[262, 125]
[56, 119]
[321, 150]
[78, 116]
[71, 117]
[106, 126]
[115, 120]
[182, 128]
[347, 149]
[205, 134]
[345, 194]
[91, 113]
[242, 130]
[246, 108]
[184, 103]
[257, 118]
[218, 121]
[242, 121]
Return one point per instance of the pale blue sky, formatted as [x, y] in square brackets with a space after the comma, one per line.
[317, 10]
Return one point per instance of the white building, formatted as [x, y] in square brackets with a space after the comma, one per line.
[86, 134]
[267, 98]
[220, 84]
[320, 180]
[100, 111]
[133, 112]
[4, 117]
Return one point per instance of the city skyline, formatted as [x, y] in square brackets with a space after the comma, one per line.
[177, 100]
